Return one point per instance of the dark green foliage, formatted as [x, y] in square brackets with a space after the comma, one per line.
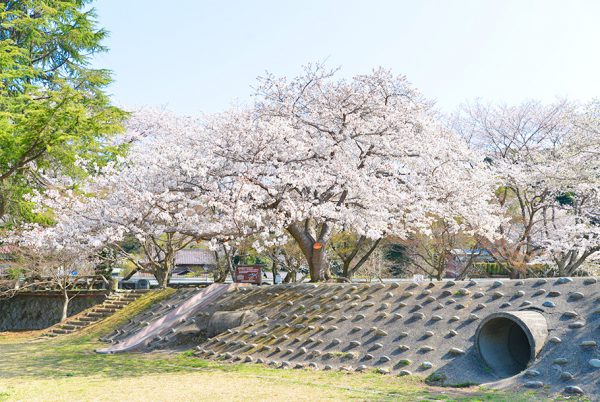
[567, 198]
[250, 259]
[131, 245]
[492, 268]
[397, 255]
[53, 108]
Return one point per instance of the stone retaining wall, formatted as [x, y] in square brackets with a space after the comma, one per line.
[31, 311]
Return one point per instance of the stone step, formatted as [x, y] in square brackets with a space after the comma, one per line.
[116, 303]
[88, 319]
[130, 295]
[117, 298]
[97, 315]
[111, 307]
[79, 324]
[68, 327]
[59, 331]
[104, 310]
[128, 298]
[118, 295]
[123, 301]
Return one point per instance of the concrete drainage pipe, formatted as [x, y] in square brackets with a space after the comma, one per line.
[508, 341]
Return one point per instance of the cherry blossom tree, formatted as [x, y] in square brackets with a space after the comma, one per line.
[572, 223]
[314, 154]
[146, 194]
[547, 159]
[49, 259]
[67, 270]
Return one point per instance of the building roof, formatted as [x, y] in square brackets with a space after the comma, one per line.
[195, 256]
[472, 251]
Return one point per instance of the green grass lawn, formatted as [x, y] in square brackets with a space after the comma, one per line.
[68, 369]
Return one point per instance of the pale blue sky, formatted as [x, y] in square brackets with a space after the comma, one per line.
[201, 55]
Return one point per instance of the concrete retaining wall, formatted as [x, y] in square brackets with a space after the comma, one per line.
[31, 311]
[551, 331]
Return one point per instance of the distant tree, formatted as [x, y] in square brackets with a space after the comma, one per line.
[288, 258]
[352, 251]
[432, 254]
[46, 266]
[546, 157]
[53, 107]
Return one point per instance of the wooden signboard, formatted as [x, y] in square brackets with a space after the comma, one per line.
[248, 274]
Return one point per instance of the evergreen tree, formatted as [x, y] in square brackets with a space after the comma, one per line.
[397, 256]
[53, 106]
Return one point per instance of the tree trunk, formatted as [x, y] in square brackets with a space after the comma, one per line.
[222, 277]
[163, 276]
[227, 269]
[314, 250]
[570, 262]
[274, 271]
[514, 274]
[346, 272]
[318, 264]
[291, 276]
[350, 271]
[65, 308]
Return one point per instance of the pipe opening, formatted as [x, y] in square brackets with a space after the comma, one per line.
[508, 342]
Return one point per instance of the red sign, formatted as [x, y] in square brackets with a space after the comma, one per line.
[248, 274]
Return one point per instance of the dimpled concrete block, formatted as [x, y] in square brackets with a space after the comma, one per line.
[546, 328]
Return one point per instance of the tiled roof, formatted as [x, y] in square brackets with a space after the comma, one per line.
[141, 275]
[195, 256]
